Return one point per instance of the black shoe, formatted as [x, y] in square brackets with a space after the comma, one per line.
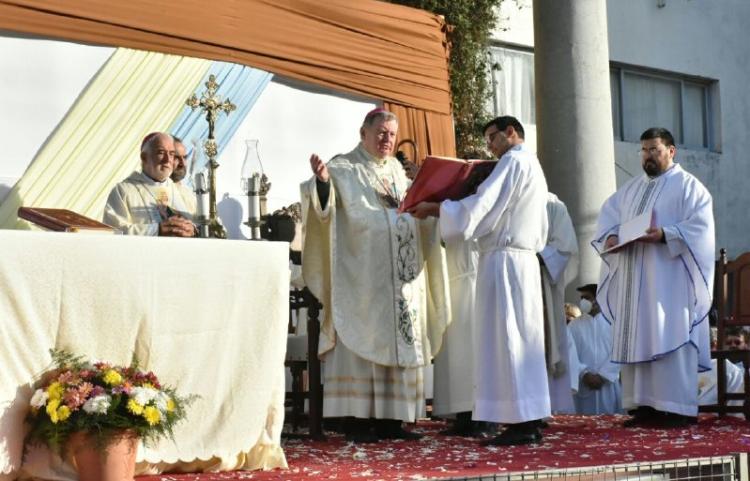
[392, 429]
[673, 420]
[362, 437]
[474, 430]
[358, 430]
[463, 426]
[514, 436]
[642, 416]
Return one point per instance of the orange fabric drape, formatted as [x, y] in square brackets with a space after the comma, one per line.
[381, 50]
[432, 133]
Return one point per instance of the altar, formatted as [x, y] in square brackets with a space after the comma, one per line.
[208, 316]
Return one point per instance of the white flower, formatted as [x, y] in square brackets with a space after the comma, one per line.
[143, 395]
[39, 398]
[161, 401]
[98, 405]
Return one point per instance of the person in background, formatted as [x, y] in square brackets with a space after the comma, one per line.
[599, 389]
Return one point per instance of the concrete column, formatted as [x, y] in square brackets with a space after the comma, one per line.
[573, 113]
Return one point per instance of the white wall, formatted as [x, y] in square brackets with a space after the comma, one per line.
[705, 38]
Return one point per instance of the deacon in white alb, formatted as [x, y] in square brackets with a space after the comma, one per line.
[453, 388]
[508, 218]
[559, 267]
[657, 290]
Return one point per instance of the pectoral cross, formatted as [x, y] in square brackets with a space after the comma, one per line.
[211, 104]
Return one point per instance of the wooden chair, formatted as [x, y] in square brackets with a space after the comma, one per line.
[302, 355]
[303, 330]
[732, 299]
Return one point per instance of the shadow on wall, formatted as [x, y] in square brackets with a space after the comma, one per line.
[230, 213]
[4, 190]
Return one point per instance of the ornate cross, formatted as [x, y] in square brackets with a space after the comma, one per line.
[211, 104]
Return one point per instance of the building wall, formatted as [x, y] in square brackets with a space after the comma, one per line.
[702, 38]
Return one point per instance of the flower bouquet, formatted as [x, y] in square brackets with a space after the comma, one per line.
[102, 402]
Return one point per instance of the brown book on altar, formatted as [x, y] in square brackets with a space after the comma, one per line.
[63, 220]
[446, 178]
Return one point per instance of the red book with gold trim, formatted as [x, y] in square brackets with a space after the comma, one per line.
[444, 178]
[63, 220]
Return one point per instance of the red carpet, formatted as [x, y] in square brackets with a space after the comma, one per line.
[570, 441]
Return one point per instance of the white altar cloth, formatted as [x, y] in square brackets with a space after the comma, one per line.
[207, 316]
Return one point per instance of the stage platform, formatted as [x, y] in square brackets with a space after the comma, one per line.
[584, 448]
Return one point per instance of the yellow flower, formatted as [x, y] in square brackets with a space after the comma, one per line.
[134, 407]
[51, 409]
[55, 390]
[112, 377]
[63, 413]
[170, 405]
[152, 415]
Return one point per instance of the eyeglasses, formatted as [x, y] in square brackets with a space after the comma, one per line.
[490, 138]
[733, 342]
[649, 151]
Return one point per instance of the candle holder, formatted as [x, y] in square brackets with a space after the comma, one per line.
[255, 185]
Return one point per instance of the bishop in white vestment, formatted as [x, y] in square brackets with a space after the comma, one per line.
[507, 217]
[559, 267]
[657, 291]
[381, 278]
[149, 202]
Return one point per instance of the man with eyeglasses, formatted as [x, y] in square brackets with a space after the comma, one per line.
[507, 217]
[656, 291]
[148, 202]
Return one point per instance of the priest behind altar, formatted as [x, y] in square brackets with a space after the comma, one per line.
[656, 291]
[149, 202]
[381, 279]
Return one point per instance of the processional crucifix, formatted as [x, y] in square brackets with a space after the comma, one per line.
[211, 104]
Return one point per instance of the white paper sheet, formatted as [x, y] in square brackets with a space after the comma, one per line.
[633, 230]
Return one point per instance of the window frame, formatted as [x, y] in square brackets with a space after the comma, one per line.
[620, 70]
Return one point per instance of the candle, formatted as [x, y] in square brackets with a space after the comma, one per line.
[253, 206]
[202, 207]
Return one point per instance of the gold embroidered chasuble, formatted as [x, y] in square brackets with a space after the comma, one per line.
[380, 275]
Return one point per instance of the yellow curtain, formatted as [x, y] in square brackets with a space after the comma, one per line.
[97, 144]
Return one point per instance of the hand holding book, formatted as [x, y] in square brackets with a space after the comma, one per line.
[445, 178]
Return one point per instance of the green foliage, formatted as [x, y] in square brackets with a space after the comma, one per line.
[472, 22]
[101, 400]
